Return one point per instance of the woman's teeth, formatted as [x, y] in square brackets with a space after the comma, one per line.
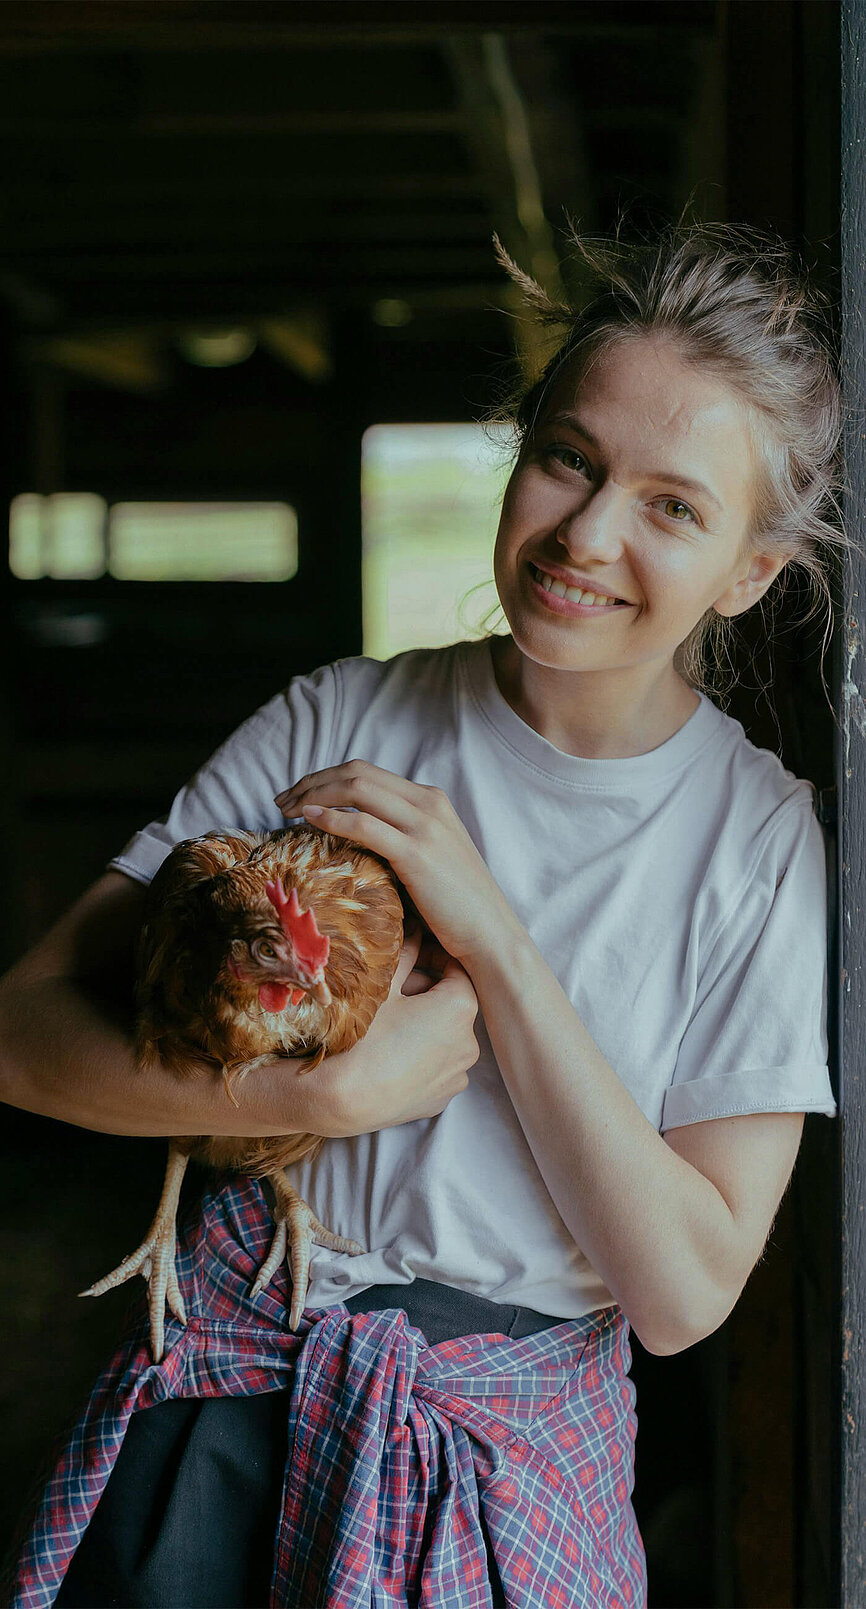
[574, 594]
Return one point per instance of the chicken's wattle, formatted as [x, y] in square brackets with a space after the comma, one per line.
[275, 996]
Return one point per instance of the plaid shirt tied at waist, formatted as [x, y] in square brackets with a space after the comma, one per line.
[394, 1446]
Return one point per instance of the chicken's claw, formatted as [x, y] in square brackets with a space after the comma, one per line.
[154, 1260]
[297, 1229]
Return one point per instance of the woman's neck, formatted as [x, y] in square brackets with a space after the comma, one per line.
[596, 715]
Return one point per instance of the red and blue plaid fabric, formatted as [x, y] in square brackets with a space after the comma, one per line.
[394, 1446]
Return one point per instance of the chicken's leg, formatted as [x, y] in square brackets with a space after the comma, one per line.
[297, 1229]
[154, 1259]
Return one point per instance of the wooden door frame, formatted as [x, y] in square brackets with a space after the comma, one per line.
[851, 773]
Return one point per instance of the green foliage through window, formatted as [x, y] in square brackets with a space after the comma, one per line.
[430, 499]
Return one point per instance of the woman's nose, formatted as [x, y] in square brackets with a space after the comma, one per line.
[595, 525]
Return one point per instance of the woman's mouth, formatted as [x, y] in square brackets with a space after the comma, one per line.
[569, 601]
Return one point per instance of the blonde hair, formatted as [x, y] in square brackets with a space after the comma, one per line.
[737, 304]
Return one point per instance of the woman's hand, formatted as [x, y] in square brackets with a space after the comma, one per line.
[415, 1055]
[417, 830]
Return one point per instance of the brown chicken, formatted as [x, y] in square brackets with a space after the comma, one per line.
[256, 945]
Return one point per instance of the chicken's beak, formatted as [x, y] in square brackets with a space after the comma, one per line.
[319, 992]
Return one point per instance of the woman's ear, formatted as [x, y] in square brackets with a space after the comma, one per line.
[762, 572]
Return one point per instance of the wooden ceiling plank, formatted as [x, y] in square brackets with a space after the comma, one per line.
[240, 298]
[478, 296]
[252, 258]
[201, 228]
[128, 361]
[94, 131]
[274, 187]
[75, 26]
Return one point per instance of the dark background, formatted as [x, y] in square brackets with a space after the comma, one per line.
[288, 167]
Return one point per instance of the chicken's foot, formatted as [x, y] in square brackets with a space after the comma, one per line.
[154, 1259]
[297, 1229]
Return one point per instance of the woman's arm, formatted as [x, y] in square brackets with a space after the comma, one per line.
[673, 1225]
[66, 1048]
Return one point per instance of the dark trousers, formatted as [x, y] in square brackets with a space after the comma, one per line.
[189, 1516]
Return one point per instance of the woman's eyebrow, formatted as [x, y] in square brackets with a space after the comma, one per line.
[698, 486]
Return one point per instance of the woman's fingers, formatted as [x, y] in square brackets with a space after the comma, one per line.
[415, 828]
[354, 785]
[407, 959]
[411, 945]
[358, 827]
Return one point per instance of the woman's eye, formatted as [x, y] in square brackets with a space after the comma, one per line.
[682, 509]
[564, 454]
[571, 459]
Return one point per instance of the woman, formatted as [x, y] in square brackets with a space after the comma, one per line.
[634, 899]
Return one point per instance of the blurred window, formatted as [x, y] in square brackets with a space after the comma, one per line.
[202, 541]
[61, 536]
[430, 499]
[75, 536]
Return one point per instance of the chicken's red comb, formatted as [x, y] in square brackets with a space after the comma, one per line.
[310, 946]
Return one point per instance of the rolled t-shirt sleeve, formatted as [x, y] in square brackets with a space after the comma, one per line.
[281, 742]
[757, 1038]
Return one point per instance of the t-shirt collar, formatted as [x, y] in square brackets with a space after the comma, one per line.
[704, 723]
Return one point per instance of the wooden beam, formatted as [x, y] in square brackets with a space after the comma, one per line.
[852, 794]
[93, 131]
[358, 263]
[57, 27]
[108, 301]
[109, 309]
[206, 226]
[266, 188]
[302, 341]
[128, 360]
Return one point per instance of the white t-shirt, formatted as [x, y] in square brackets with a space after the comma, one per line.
[678, 896]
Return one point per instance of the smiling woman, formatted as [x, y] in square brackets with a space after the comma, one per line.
[602, 520]
[633, 901]
[730, 351]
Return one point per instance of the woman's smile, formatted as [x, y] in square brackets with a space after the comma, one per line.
[559, 598]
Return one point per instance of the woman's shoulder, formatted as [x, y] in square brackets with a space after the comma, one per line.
[414, 683]
[421, 667]
[753, 773]
[332, 696]
[764, 809]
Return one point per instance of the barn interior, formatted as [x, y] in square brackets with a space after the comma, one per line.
[236, 237]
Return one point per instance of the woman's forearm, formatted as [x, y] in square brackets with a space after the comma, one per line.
[62, 1055]
[655, 1229]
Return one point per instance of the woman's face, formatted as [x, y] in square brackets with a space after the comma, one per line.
[599, 497]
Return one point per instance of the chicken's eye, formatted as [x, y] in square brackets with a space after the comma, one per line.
[267, 951]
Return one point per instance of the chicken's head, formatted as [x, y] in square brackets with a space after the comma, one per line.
[285, 958]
